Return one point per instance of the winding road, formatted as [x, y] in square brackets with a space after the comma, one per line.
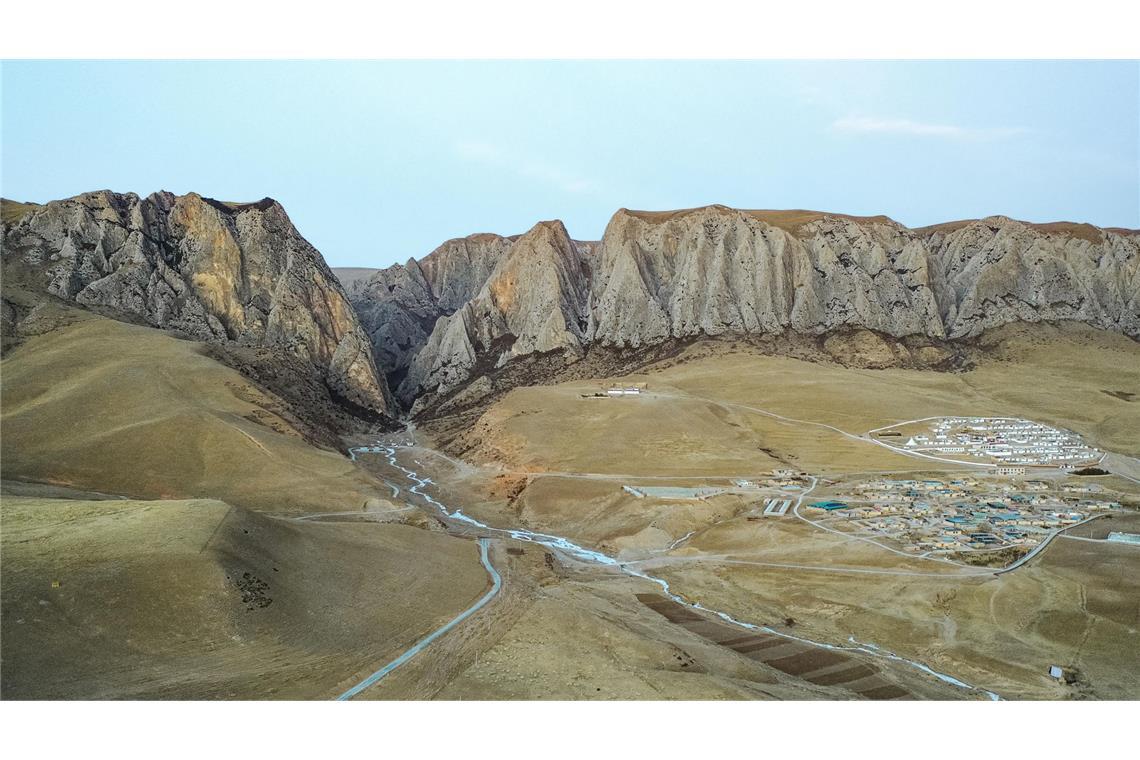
[1130, 466]
[425, 642]
[1041, 546]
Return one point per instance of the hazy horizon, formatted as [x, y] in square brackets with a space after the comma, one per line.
[377, 162]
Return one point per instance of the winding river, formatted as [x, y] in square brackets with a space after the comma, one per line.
[589, 556]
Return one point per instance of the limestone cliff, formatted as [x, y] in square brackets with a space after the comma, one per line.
[398, 306]
[658, 276]
[533, 301]
[213, 271]
[717, 270]
[997, 270]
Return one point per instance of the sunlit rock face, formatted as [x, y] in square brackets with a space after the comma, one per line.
[213, 271]
[717, 270]
[997, 270]
[533, 301]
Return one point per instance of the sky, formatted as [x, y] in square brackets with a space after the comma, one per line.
[377, 162]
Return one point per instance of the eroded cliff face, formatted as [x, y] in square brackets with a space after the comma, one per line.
[717, 270]
[533, 301]
[997, 270]
[714, 271]
[398, 306]
[213, 271]
[241, 274]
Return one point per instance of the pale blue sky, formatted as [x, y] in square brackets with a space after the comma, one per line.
[379, 161]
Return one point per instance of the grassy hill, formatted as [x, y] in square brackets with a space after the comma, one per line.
[102, 405]
[197, 599]
[188, 589]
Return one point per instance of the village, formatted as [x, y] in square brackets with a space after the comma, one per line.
[932, 516]
[967, 513]
[999, 440]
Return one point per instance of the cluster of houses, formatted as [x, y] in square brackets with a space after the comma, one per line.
[963, 513]
[1004, 440]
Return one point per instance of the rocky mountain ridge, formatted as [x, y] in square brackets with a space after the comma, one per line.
[399, 306]
[714, 271]
[240, 275]
[216, 272]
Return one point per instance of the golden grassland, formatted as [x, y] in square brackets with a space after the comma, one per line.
[112, 407]
[1075, 605]
[13, 211]
[1055, 375]
[132, 599]
[153, 597]
[699, 416]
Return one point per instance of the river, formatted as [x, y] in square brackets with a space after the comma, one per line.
[589, 556]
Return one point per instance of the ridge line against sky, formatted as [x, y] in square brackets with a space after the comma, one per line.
[379, 161]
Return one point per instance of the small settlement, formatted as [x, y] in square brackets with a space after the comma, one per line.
[962, 513]
[1006, 441]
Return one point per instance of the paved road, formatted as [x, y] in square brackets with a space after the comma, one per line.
[1125, 466]
[1098, 540]
[713, 559]
[1041, 546]
[422, 644]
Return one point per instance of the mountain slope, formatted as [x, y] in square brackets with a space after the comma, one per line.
[210, 270]
[717, 270]
[200, 599]
[996, 270]
[96, 404]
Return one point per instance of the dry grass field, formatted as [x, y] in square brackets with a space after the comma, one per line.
[117, 408]
[707, 415]
[542, 428]
[196, 599]
[1063, 376]
[703, 411]
[207, 583]
[188, 589]
[1075, 606]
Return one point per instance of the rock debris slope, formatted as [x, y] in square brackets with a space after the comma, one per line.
[213, 271]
